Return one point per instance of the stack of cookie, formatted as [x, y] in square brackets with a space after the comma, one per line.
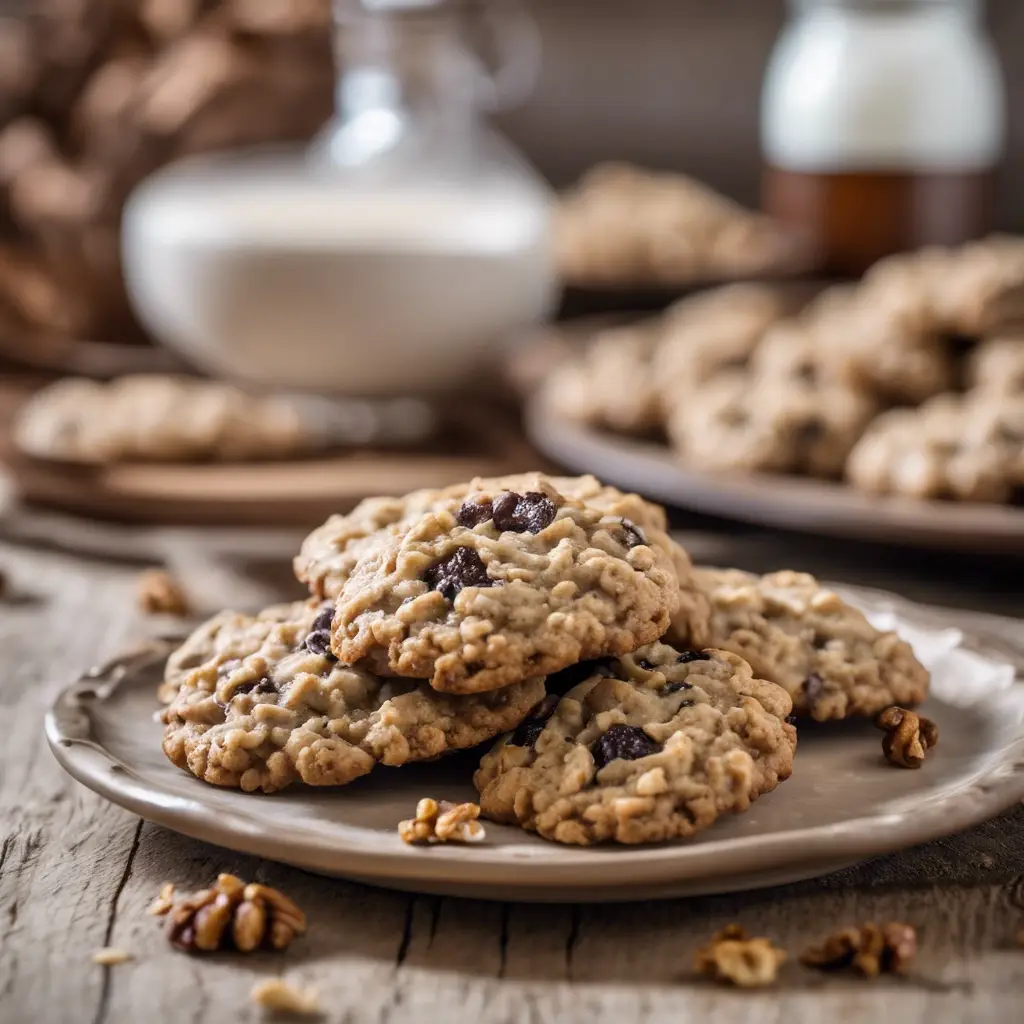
[639, 698]
[910, 382]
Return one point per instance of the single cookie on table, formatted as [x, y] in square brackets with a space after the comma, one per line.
[612, 383]
[955, 447]
[797, 633]
[495, 586]
[270, 705]
[655, 745]
[742, 421]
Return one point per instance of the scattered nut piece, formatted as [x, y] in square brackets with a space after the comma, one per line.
[164, 902]
[276, 994]
[161, 594]
[733, 956]
[443, 822]
[908, 736]
[233, 913]
[111, 956]
[870, 950]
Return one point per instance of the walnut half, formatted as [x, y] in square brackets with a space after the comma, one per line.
[869, 949]
[908, 736]
[733, 956]
[236, 914]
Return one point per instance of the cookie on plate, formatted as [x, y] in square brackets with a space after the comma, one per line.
[497, 586]
[997, 365]
[612, 383]
[654, 745]
[331, 551]
[745, 422]
[955, 447]
[270, 705]
[797, 633]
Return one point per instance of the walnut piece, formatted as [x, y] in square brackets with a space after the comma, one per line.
[161, 594]
[908, 736]
[869, 949]
[164, 902]
[233, 913]
[733, 956]
[111, 956]
[443, 822]
[277, 995]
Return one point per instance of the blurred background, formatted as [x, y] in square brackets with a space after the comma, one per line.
[259, 258]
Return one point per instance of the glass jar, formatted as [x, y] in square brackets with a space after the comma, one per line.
[391, 257]
[882, 122]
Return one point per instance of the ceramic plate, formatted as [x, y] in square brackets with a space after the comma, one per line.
[844, 803]
[800, 503]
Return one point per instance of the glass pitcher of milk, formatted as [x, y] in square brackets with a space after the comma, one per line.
[394, 254]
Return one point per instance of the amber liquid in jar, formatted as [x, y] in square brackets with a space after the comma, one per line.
[854, 219]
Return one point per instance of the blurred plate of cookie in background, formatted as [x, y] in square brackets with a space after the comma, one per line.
[890, 410]
[631, 238]
[175, 449]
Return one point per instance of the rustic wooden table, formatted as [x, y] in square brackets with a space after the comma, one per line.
[77, 874]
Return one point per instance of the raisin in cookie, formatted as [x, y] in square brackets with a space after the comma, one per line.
[657, 745]
[497, 586]
[270, 706]
[795, 632]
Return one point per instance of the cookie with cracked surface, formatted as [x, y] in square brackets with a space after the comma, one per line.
[744, 422]
[496, 586]
[656, 746]
[825, 653]
[270, 706]
[954, 447]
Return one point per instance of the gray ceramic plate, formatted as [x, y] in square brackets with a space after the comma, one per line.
[791, 502]
[843, 803]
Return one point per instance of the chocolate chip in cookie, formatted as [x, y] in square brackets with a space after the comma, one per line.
[523, 513]
[633, 534]
[318, 640]
[685, 657]
[628, 742]
[463, 568]
[473, 513]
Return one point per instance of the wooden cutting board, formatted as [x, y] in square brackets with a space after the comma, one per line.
[475, 440]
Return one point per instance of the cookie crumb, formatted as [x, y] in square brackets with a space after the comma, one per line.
[733, 957]
[161, 594]
[111, 956]
[869, 949]
[234, 915]
[908, 736]
[164, 902]
[443, 822]
[277, 995]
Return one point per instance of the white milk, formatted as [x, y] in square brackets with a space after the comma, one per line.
[889, 85]
[265, 268]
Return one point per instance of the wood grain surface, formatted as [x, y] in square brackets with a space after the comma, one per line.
[77, 874]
